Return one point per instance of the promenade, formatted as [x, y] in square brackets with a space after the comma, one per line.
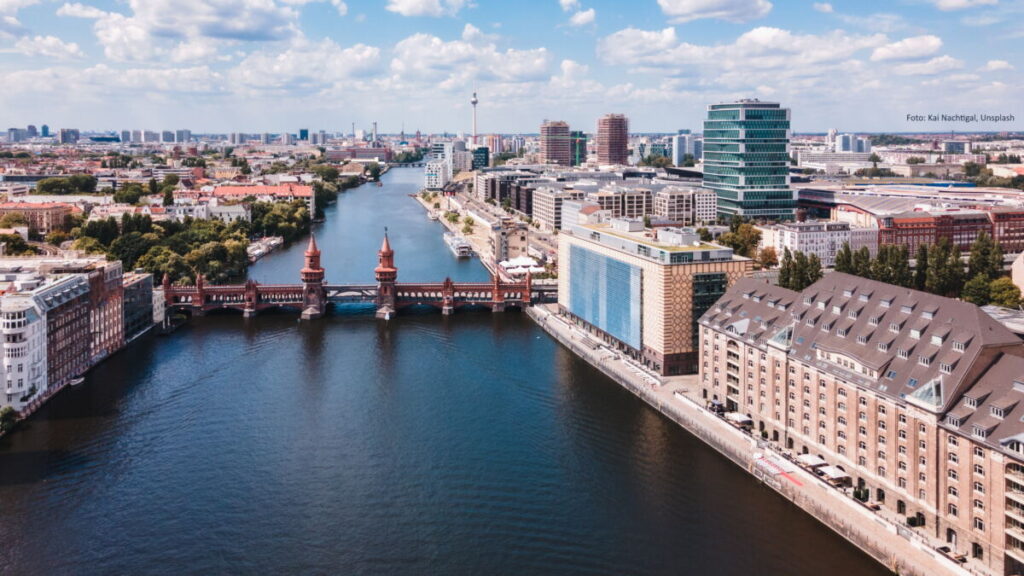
[897, 547]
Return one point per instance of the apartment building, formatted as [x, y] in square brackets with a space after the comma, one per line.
[687, 205]
[917, 397]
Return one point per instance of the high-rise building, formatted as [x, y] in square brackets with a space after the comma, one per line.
[68, 136]
[304, 134]
[183, 136]
[555, 147]
[265, 138]
[495, 143]
[126, 136]
[613, 139]
[481, 157]
[167, 137]
[45, 131]
[31, 131]
[578, 138]
[746, 159]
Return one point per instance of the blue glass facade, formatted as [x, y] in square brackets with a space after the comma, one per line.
[606, 293]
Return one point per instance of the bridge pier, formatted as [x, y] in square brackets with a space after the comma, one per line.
[497, 307]
[249, 313]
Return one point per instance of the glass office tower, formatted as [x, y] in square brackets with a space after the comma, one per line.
[746, 159]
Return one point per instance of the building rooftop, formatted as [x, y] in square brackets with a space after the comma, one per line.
[646, 238]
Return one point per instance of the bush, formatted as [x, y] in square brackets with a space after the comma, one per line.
[8, 418]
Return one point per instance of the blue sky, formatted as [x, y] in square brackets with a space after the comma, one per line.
[274, 65]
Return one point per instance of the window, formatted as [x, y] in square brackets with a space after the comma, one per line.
[902, 482]
[883, 347]
[862, 401]
[979, 524]
[902, 353]
[902, 434]
[979, 452]
[952, 510]
[881, 439]
[953, 458]
[902, 449]
[842, 392]
[958, 346]
[842, 421]
[924, 360]
[945, 368]
[978, 504]
[902, 466]
[953, 441]
[952, 491]
[881, 454]
[979, 487]
[902, 418]
[862, 431]
[997, 412]
[862, 445]
[952, 475]
[881, 470]
[862, 461]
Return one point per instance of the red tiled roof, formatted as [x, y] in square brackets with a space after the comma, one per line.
[286, 190]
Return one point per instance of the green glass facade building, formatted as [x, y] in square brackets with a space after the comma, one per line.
[746, 159]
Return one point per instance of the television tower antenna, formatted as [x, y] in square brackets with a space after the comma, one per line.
[474, 101]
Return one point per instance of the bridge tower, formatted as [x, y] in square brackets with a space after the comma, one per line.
[387, 275]
[313, 298]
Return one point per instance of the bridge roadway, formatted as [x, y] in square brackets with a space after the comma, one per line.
[252, 297]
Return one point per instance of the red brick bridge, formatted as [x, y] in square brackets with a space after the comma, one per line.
[312, 296]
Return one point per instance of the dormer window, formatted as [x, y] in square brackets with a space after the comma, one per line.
[945, 368]
[852, 314]
[915, 333]
[938, 339]
[883, 346]
[841, 332]
[864, 297]
[887, 302]
[928, 315]
[902, 353]
[862, 339]
[874, 320]
[997, 412]
[894, 327]
[826, 327]
[952, 420]
[836, 310]
[907, 309]
[958, 346]
[821, 305]
[970, 402]
[978, 432]
[808, 300]
[847, 292]
[924, 360]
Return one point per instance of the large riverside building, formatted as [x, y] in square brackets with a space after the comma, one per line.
[643, 295]
[746, 159]
[918, 398]
[555, 143]
[613, 139]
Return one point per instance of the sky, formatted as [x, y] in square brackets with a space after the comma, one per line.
[282, 65]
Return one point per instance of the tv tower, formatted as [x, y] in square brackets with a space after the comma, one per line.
[474, 101]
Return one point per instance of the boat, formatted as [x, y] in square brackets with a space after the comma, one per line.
[76, 381]
[433, 216]
[458, 245]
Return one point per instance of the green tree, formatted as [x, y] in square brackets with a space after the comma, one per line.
[977, 290]
[8, 418]
[15, 245]
[844, 259]
[373, 169]
[130, 193]
[89, 245]
[326, 172]
[153, 186]
[921, 268]
[945, 271]
[170, 180]
[13, 219]
[1003, 292]
[705, 234]
[786, 268]
[656, 161]
[874, 159]
[862, 262]
[168, 196]
[986, 257]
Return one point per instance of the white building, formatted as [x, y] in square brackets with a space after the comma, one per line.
[688, 205]
[437, 175]
[823, 239]
[547, 206]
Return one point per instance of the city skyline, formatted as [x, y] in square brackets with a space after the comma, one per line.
[222, 67]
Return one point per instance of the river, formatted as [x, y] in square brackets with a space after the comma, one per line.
[470, 444]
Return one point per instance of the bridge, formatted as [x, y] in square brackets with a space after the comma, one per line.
[312, 297]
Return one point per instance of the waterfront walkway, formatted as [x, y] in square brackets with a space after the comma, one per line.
[911, 554]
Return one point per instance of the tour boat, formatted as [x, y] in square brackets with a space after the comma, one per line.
[459, 247]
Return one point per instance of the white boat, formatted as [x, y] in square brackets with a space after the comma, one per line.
[459, 247]
[433, 215]
[76, 381]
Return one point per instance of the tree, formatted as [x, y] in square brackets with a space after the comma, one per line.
[743, 238]
[874, 159]
[656, 161]
[844, 259]
[168, 196]
[170, 180]
[153, 186]
[921, 268]
[15, 245]
[977, 290]
[129, 194]
[862, 262]
[768, 257]
[786, 268]
[13, 219]
[705, 234]
[89, 245]
[945, 271]
[986, 257]
[373, 169]
[1003, 292]
[326, 172]
[8, 418]
[915, 160]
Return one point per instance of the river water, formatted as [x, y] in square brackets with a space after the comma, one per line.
[470, 444]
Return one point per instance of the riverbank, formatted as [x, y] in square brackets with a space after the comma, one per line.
[902, 551]
[479, 239]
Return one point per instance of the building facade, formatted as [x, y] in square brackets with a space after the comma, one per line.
[687, 205]
[918, 398]
[746, 159]
[643, 296]
[547, 206]
[555, 143]
[613, 140]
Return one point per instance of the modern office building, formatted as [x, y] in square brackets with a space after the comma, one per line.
[435, 176]
[613, 139]
[547, 205]
[643, 295]
[481, 157]
[918, 398]
[68, 136]
[746, 159]
[555, 145]
[579, 147]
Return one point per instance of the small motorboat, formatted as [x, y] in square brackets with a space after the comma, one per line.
[76, 381]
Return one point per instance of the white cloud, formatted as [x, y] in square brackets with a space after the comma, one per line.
[435, 8]
[12, 6]
[340, 5]
[583, 17]
[908, 48]
[824, 7]
[10, 27]
[949, 5]
[569, 5]
[425, 59]
[304, 67]
[995, 65]
[48, 47]
[933, 66]
[680, 11]
[79, 10]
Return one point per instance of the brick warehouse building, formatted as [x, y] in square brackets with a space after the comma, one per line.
[915, 396]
